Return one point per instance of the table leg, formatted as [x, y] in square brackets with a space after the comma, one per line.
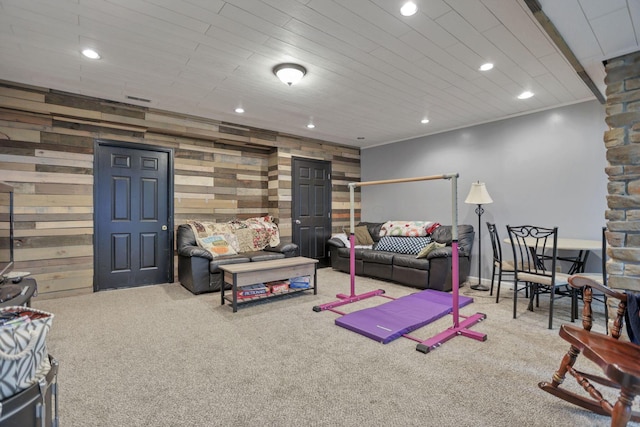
[234, 289]
[315, 279]
[224, 285]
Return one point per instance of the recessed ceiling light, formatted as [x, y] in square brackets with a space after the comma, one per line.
[525, 95]
[408, 9]
[239, 110]
[424, 121]
[486, 67]
[311, 125]
[91, 54]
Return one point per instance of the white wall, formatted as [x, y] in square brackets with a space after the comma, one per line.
[545, 169]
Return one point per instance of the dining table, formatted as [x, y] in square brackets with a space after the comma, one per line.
[581, 249]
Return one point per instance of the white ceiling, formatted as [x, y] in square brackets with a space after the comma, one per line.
[372, 73]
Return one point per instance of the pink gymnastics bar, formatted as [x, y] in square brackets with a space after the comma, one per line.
[457, 328]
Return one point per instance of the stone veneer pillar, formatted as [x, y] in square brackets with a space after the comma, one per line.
[622, 141]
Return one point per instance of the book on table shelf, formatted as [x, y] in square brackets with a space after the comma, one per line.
[252, 291]
[278, 286]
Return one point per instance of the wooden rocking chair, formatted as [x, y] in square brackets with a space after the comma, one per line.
[619, 360]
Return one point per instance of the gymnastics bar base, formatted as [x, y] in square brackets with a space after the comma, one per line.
[444, 336]
[347, 299]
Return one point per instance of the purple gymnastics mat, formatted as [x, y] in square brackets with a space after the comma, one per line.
[391, 320]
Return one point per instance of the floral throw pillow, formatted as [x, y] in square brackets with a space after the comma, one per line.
[405, 228]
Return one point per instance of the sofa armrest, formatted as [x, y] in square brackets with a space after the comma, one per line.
[446, 252]
[194, 251]
[440, 253]
[288, 249]
[336, 243]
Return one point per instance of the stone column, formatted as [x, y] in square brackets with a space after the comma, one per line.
[622, 141]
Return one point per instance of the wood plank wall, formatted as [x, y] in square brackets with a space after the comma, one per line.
[222, 171]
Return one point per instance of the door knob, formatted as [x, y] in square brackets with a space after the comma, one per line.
[298, 222]
[164, 228]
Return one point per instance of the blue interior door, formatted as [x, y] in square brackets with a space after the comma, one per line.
[311, 207]
[133, 212]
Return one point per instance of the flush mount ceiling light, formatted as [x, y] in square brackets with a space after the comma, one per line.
[289, 74]
[408, 9]
[525, 95]
[239, 110]
[91, 54]
[311, 126]
[424, 121]
[486, 67]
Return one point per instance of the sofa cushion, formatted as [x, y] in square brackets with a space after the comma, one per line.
[402, 245]
[411, 261]
[346, 252]
[256, 256]
[378, 257]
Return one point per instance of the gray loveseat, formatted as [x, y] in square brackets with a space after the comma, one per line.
[198, 269]
[431, 272]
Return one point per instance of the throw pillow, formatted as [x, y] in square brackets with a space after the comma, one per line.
[427, 249]
[361, 233]
[405, 228]
[403, 245]
[217, 245]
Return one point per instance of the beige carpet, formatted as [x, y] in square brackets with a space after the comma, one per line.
[160, 356]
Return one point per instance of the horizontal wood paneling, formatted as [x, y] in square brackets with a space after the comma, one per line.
[221, 172]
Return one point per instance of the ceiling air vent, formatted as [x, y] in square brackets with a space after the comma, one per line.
[135, 98]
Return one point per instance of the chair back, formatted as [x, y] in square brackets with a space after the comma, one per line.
[495, 243]
[588, 285]
[535, 249]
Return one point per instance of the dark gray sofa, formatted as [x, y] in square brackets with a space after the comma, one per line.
[199, 271]
[432, 272]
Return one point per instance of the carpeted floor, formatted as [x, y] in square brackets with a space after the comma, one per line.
[160, 356]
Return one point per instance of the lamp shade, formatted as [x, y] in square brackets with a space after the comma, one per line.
[478, 195]
[289, 74]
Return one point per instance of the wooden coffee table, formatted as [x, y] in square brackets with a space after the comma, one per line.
[250, 273]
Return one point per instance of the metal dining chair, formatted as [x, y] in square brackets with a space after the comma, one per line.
[535, 254]
[501, 266]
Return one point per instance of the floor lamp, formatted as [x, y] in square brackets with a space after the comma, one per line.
[478, 195]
